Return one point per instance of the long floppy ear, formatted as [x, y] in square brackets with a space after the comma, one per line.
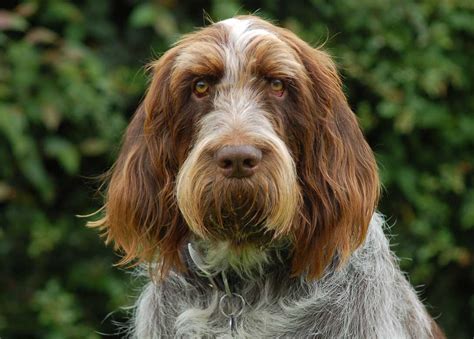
[337, 170]
[141, 215]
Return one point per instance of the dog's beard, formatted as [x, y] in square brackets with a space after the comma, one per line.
[254, 210]
[237, 210]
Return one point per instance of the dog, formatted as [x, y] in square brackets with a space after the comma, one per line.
[245, 186]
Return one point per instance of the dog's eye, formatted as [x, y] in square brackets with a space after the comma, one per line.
[277, 86]
[201, 88]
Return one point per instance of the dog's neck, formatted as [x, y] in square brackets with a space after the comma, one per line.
[249, 262]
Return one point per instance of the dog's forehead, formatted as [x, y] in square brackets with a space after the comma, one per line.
[243, 31]
[235, 48]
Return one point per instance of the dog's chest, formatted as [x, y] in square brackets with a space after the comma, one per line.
[265, 310]
[368, 298]
[264, 317]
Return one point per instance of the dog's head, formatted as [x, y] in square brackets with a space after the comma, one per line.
[244, 136]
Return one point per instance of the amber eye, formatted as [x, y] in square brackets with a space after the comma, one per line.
[201, 88]
[277, 87]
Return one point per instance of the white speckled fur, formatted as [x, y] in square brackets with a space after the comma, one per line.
[367, 298]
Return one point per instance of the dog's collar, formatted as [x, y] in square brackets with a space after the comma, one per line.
[231, 304]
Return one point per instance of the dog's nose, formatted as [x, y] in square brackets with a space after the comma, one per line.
[238, 161]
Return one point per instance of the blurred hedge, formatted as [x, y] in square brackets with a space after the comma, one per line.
[71, 74]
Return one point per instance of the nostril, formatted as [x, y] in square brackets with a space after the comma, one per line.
[250, 162]
[225, 163]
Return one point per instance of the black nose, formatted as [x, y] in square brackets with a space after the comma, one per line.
[238, 161]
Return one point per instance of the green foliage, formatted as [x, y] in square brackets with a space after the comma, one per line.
[71, 75]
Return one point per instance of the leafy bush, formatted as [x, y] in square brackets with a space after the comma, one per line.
[71, 75]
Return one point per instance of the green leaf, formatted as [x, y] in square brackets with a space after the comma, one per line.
[11, 21]
[225, 9]
[65, 152]
[467, 211]
[143, 15]
[44, 236]
[94, 147]
[14, 125]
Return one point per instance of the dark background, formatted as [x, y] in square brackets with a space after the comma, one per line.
[72, 73]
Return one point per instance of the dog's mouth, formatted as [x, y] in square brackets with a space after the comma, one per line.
[238, 227]
[238, 215]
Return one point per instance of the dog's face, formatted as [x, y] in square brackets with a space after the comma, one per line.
[244, 137]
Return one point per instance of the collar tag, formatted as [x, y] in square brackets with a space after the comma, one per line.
[231, 305]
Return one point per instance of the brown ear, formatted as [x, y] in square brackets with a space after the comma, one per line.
[141, 215]
[337, 170]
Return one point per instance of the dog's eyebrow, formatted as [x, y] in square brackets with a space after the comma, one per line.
[200, 60]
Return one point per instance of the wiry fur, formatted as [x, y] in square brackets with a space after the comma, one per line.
[368, 298]
[294, 237]
[245, 262]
